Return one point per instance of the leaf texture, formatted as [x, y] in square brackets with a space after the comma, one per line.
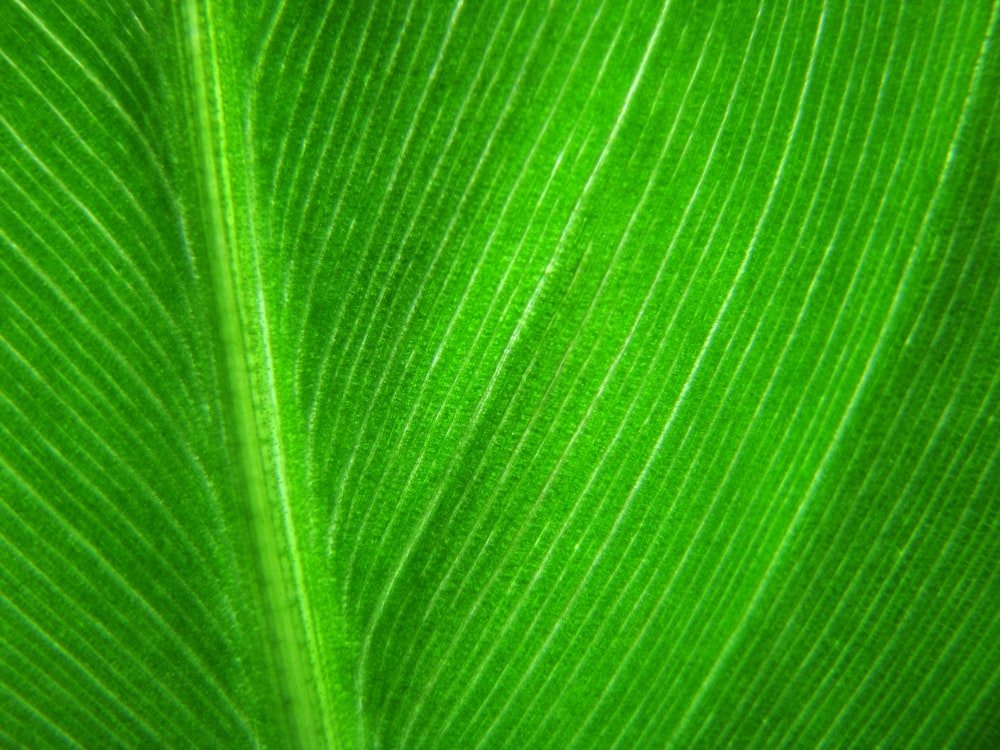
[444, 374]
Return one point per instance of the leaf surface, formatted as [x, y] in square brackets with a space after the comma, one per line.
[433, 374]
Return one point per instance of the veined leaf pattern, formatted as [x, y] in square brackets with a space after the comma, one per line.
[445, 374]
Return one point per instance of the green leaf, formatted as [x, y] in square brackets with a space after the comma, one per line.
[443, 374]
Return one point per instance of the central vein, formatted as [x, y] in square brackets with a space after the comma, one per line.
[252, 416]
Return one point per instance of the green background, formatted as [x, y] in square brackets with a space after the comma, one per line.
[496, 374]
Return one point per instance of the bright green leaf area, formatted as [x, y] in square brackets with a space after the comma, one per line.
[452, 374]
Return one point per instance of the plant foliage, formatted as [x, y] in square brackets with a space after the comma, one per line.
[547, 374]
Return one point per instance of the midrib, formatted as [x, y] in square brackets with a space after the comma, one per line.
[251, 409]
